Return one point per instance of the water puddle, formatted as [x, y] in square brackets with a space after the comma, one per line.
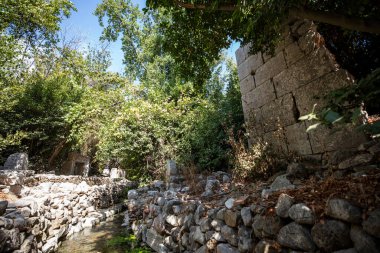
[107, 237]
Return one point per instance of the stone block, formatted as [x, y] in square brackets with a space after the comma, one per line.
[254, 122]
[277, 140]
[250, 65]
[303, 72]
[271, 68]
[325, 139]
[297, 138]
[279, 113]
[261, 95]
[247, 84]
[239, 55]
[16, 161]
[314, 92]
[293, 53]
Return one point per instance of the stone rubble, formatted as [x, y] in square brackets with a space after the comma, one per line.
[50, 211]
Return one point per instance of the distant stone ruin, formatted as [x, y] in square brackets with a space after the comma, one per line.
[17, 161]
[276, 90]
[76, 164]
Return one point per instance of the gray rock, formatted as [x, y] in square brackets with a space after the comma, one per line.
[196, 235]
[171, 168]
[363, 242]
[232, 218]
[225, 248]
[266, 246]
[372, 224]
[296, 237]
[356, 161]
[343, 210]
[117, 173]
[3, 240]
[3, 206]
[217, 224]
[302, 214]
[132, 194]
[245, 243]
[230, 235]
[229, 203]
[283, 205]
[331, 235]
[154, 240]
[200, 212]
[266, 226]
[172, 220]
[220, 214]
[202, 249]
[281, 183]
[205, 224]
[246, 216]
[17, 161]
[296, 170]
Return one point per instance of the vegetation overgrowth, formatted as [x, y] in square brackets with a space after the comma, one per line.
[178, 97]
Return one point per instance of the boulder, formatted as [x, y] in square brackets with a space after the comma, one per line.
[343, 210]
[281, 183]
[245, 243]
[360, 159]
[283, 205]
[196, 235]
[232, 218]
[266, 226]
[154, 240]
[246, 216]
[17, 161]
[331, 235]
[296, 237]
[230, 235]
[302, 214]
[363, 242]
[225, 248]
[372, 224]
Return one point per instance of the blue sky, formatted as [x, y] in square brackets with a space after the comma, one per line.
[83, 23]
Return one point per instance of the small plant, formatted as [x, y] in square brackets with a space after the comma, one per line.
[256, 161]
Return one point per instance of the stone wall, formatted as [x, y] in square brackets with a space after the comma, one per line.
[170, 222]
[51, 208]
[276, 90]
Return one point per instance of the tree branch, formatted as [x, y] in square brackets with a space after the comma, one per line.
[223, 7]
[351, 23]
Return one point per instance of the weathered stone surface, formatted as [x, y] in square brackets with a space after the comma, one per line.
[302, 214]
[3, 206]
[351, 250]
[298, 139]
[372, 224]
[283, 205]
[343, 210]
[356, 161]
[277, 140]
[249, 66]
[304, 71]
[266, 226]
[270, 69]
[363, 242]
[261, 95]
[297, 170]
[230, 235]
[246, 216]
[281, 183]
[17, 161]
[293, 53]
[232, 218]
[296, 237]
[247, 84]
[225, 248]
[267, 246]
[196, 235]
[245, 243]
[331, 235]
[154, 240]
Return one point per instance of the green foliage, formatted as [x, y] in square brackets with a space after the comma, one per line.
[344, 105]
[129, 242]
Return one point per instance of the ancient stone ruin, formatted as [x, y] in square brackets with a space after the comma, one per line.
[276, 90]
[76, 164]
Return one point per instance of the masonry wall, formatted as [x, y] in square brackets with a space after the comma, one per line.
[276, 90]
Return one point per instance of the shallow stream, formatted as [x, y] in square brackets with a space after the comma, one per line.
[107, 237]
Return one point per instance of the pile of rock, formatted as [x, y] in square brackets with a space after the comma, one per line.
[173, 225]
[50, 211]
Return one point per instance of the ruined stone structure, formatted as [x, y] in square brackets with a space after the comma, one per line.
[76, 164]
[276, 90]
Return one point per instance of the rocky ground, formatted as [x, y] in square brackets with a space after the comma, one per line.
[333, 208]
